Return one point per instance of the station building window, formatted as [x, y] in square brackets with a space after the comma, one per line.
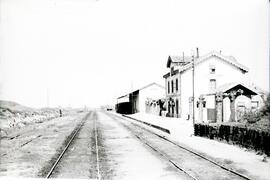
[212, 84]
[172, 86]
[176, 84]
[168, 87]
[172, 69]
[176, 106]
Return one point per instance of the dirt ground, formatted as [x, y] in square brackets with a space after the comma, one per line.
[24, 151]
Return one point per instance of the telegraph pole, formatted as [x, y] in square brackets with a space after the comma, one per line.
[193, 85]
[193, 89]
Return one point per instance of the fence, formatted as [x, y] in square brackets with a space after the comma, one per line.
[245, 137]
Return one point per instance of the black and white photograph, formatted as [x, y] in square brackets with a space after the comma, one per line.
[135, 89]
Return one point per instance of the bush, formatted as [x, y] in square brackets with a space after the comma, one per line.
[251, 116]
[233, 134]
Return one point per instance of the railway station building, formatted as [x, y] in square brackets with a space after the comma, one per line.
[221, 88]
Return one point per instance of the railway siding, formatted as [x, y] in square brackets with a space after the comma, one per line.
[30, 148]
[56, 167]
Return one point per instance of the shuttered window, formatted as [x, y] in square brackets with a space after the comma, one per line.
[172, 86]
[168, 87]
[176, 84]
[177, 106]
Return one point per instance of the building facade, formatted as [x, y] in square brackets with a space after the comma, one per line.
[137, 101]
[211, 72]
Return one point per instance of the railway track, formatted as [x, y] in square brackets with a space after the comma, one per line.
[191, 173]
[70, 139]
[147, 137]
[97, 150]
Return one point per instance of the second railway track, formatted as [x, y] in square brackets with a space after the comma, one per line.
[192, 173]
[69, 141]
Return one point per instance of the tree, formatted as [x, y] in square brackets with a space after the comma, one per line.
[265, 109]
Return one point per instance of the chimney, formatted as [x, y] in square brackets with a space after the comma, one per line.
[197, 52]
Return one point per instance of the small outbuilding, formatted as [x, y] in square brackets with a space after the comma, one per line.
[137, 100]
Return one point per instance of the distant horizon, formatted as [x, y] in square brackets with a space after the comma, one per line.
[53, 107]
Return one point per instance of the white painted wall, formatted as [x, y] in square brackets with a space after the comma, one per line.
[186, 89]
[153, 92]
[226, 109]
[210, 103]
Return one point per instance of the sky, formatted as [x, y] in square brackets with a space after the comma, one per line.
[89, 52]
